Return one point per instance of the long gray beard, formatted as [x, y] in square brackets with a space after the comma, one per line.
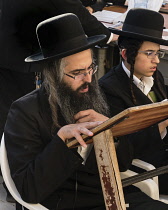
[71, 102]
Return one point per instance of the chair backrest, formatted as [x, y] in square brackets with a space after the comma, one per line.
[9, 182]
[148, 166]
[147, 186]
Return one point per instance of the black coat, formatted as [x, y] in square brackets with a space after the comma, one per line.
[42, 167]
[18, 28]
[146, 144]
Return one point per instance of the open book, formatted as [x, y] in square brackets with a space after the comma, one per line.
[130, 120]
[107, 16]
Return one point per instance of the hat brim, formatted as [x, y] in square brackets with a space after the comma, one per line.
[92, 41]
[139, 36]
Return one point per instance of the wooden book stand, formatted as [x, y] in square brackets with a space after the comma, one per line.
[129, 121]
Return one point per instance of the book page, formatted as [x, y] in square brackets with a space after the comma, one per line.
[107, 16]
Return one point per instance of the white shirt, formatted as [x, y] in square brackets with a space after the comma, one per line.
[84, 152]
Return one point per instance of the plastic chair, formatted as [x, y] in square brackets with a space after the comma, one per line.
[147, 166]
[149, 186]
[9, 182]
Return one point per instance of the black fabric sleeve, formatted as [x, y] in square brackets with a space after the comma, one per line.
[32, 158]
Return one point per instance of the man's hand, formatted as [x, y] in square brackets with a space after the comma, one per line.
[75, 130]
[163, 125]
[115, 37]
[90, 9]
[89, 116]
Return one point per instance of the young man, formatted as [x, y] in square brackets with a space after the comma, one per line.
[137, 81]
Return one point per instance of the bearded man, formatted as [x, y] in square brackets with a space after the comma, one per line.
[43, 168]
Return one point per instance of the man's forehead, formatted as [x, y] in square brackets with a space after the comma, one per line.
[78, 55]
[147, 44]
[78, 61]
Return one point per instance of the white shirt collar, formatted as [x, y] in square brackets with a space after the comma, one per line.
[144, 85]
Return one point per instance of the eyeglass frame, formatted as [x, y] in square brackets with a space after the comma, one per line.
[154, 55]
[93, 67]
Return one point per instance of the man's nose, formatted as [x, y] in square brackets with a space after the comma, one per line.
[156, 59]
[87, 77]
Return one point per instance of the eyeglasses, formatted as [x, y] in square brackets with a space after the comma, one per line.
[151, 54]
[79, 74]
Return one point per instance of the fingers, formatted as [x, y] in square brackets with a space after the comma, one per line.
[82, 114]
[84, 129]
[77, 135]
[89, 9]
[84, 119]
[89, 116]
[75, 130]
[115, 37]
[90, 125]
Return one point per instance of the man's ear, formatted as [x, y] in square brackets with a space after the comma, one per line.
[123, 54]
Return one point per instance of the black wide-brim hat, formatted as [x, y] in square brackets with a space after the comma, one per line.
[143, 24]
[61, 36]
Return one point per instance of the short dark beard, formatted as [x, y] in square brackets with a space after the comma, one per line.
[71, 102]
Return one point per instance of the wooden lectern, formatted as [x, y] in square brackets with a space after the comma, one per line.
[129, 121]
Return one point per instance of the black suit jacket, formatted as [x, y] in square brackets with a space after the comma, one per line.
[42, 167]
[146, 144]
[18, 28]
